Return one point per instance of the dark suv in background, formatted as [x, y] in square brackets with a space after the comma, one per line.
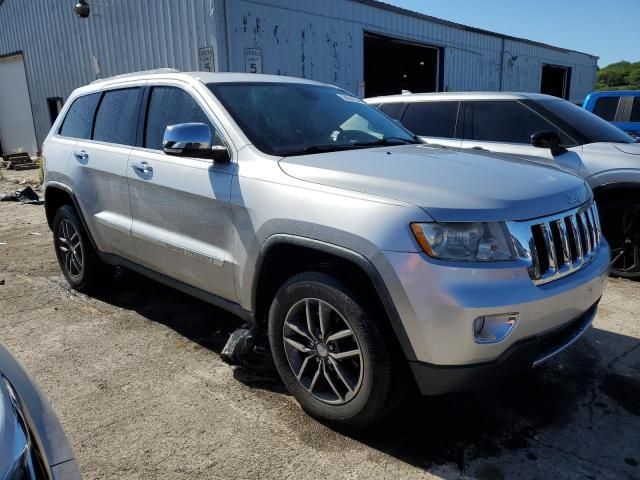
[542, 129]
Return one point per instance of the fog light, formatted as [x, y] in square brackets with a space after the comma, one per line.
[493, 328]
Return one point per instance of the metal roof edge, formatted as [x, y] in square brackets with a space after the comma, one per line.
[460, 26]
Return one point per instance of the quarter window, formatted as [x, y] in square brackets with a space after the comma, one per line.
[507, 121]
[79, 118]
[171, 106]
[606, 108]
[117, 117]
[432, 119]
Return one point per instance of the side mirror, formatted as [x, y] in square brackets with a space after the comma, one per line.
[192, 140]
[547, 139]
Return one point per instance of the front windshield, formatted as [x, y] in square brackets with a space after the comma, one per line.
[589, 127]
[296, 119]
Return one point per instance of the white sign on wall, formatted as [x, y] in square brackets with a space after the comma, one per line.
[206, 59]
[253, 60]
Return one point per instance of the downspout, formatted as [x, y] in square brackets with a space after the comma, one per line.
[501, 66]
[227, 34]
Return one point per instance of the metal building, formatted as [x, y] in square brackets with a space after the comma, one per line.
[365, 46]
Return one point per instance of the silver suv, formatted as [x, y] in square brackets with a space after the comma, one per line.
[542, 129]
[368, 258]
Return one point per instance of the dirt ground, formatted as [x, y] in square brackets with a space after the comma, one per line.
[135, 376]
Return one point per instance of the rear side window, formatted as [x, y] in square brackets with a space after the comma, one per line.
[635, 110]
[170, 106]
[79, 118]
[606, 108]
[432, 119]
[117, 117]
[508, 122]
[392, 109]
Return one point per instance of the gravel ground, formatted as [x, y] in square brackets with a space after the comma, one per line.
[135, 376]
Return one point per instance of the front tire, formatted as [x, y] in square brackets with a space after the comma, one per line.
[329, 351]
[621, 227]
[78, 260]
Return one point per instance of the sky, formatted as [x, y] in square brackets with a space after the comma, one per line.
[608, 29]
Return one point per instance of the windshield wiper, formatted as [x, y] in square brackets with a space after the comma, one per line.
[388, 142]
[330, 147]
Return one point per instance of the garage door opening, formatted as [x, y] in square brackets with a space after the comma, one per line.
[392, 65]
[17, 133]
[556, 81]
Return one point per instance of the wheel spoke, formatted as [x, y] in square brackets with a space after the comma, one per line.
[324, 314]
[330, 382]
[347, 354]
[339, 335]
[76, 264]
[315, 378]
[298, 346]
[308, 313]
[617, 257]
[67, 262]
[299, 331]
[305, 362]
[341, 376]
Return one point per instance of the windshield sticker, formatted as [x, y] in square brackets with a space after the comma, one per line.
[349, 98]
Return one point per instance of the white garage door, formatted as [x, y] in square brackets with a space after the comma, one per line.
[16, 120]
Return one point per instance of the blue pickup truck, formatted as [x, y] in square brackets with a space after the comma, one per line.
[622, 108]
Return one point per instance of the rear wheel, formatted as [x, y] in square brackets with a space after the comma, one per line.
[329, 351]
[78, 260]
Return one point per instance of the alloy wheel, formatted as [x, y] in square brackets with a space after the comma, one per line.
[323, 351]
[71, 249]
[625, 254]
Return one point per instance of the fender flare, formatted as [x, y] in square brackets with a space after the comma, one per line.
[66, 189]
[349, 255]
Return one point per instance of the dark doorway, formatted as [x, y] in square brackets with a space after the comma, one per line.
[391, 66]
[556, 81]
[55, 105]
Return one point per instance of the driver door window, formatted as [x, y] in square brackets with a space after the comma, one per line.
[170, 106]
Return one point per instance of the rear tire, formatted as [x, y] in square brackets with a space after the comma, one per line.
[77, 258]
[330, 353]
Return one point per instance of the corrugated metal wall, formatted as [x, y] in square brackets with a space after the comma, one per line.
[123, 36]
[321, 40]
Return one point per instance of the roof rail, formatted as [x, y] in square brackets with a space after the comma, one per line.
[135, 74]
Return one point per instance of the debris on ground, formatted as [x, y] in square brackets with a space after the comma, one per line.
[26, 195]
[19, 161]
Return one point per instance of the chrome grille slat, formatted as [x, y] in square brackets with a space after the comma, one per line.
[551, 248]
[577, 240]
[566, 242]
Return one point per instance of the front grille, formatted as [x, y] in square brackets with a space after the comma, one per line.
[559, 245]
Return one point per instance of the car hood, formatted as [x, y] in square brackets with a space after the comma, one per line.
[630, 148]
[448, 184]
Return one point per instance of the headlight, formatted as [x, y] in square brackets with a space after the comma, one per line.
[472, 242]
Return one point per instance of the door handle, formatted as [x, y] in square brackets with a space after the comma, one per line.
[81, 155]
[143, 167]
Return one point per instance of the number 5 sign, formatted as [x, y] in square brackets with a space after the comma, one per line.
[253, 60]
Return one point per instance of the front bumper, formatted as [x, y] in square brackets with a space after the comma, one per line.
[437, 303]
[523, 355]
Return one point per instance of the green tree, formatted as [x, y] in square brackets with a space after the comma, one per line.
[619, 76]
